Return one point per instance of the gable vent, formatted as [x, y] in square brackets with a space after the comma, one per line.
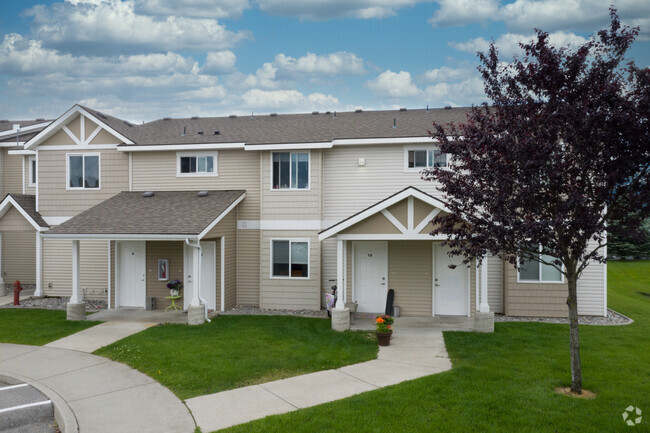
[148, 194]
[203, 193]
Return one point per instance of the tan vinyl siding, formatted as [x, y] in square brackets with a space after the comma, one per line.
[103, 137]
[236, 169]
[534, 299]
[14, 221]
[172, 251]
[75, 127]
[287, 292]
[591, 288]
[495, 284]
[248, 267]
[349, 188]
[12, 173]
[60, 138]
[19, 256]
[227, 228]
[283, 204]
[409, 275]
[57, 268]
[375, 224]
[55, 200]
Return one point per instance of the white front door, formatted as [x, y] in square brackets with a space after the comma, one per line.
[370, 275]
[208, 278]
[132, 268]
[450, 289]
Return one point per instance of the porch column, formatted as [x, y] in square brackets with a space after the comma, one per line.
[340, 314]
[484, 307]
[2, 281]
[76, 308]
[39, 263]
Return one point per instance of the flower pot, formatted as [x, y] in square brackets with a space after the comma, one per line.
[174, 292]
[383, 338]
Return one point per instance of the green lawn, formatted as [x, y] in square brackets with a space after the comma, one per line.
[37, 327]
[235, 351]
[503, 382]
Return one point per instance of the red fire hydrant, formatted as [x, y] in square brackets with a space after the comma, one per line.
[17, 290]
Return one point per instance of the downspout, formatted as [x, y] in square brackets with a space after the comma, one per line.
[198, 278]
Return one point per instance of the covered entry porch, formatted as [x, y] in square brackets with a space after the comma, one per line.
[388, 247]
[158, 237]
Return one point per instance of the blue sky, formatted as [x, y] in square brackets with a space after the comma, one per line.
[146, 59]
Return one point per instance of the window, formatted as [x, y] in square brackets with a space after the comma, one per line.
[196, 164]
[422, 158]
[532, 271]
[32, 171]
[83, 171]
[290, 258]
[290, 170]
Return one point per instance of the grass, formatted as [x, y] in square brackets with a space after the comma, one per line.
[235, 351]
[37, 327]
[504, 382]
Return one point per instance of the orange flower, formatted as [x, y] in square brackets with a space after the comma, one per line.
[380, 320]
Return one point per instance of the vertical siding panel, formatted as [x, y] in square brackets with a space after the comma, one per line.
[19, 256]
[409, 275]
[591, 287]
[495, 284]
[94, 269]
[248, 267]
[12, 173]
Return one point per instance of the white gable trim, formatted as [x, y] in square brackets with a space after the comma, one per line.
[411, 232]
[4, 208]
[221, 216]
[62, 121]
[23, 129]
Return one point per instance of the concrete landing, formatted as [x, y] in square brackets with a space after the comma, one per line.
[98, 336]
[92, 394]
[413, 353]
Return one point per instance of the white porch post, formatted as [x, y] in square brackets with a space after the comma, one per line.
[340, 314]
[222, 275]
[485, 307]
[2, 281]
[76, 308]
[39, 264]
[196, 271]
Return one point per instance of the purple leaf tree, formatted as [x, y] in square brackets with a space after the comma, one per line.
[564, 147]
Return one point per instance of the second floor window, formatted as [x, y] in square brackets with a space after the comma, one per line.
[424, 158]
[197, 164]
[290, 170]
[83, 171]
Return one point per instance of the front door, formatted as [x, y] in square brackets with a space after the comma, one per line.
[208, 270]
[370, 275]
[132, 268]
[450, 288]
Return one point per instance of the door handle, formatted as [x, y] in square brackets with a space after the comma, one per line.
[437, 285]
[382, 284]
[142, 278]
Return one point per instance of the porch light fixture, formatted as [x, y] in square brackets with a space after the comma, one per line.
[362, 162]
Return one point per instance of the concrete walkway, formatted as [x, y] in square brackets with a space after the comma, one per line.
[98, 336]
[413, 353]
[92, 394]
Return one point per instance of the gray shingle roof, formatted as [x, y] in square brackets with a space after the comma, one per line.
[285, 128]
[166, 213]
[28, 203]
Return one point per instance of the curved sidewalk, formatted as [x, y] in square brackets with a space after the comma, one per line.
[96, 394]
[413, 353]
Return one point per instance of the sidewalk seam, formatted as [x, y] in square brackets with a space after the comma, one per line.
[113, 391]
[272, 393]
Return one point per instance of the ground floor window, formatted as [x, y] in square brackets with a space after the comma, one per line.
[289, 258]
[531, 270]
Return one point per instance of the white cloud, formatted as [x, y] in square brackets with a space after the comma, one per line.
[193, 8]
[463, 93]
[326, 9]
[393, 85]
[287, 100]
[219, 62]
[549, 15]
[114, 26]
[508, 44]
[311, 64]
[446, 73]
[461, 12]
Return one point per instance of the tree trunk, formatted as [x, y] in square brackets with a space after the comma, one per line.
[574, 346]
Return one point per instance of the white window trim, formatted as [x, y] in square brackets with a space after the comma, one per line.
[290, 240]
[32, 159]
[540, 281]
[213, 154]
[67, 170]
[290, 152]
[425, 147]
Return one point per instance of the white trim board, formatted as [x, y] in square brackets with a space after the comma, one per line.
[9, 200]
[179, 147]
[28, 128]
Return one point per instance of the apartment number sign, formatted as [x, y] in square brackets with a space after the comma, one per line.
[163, 269]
